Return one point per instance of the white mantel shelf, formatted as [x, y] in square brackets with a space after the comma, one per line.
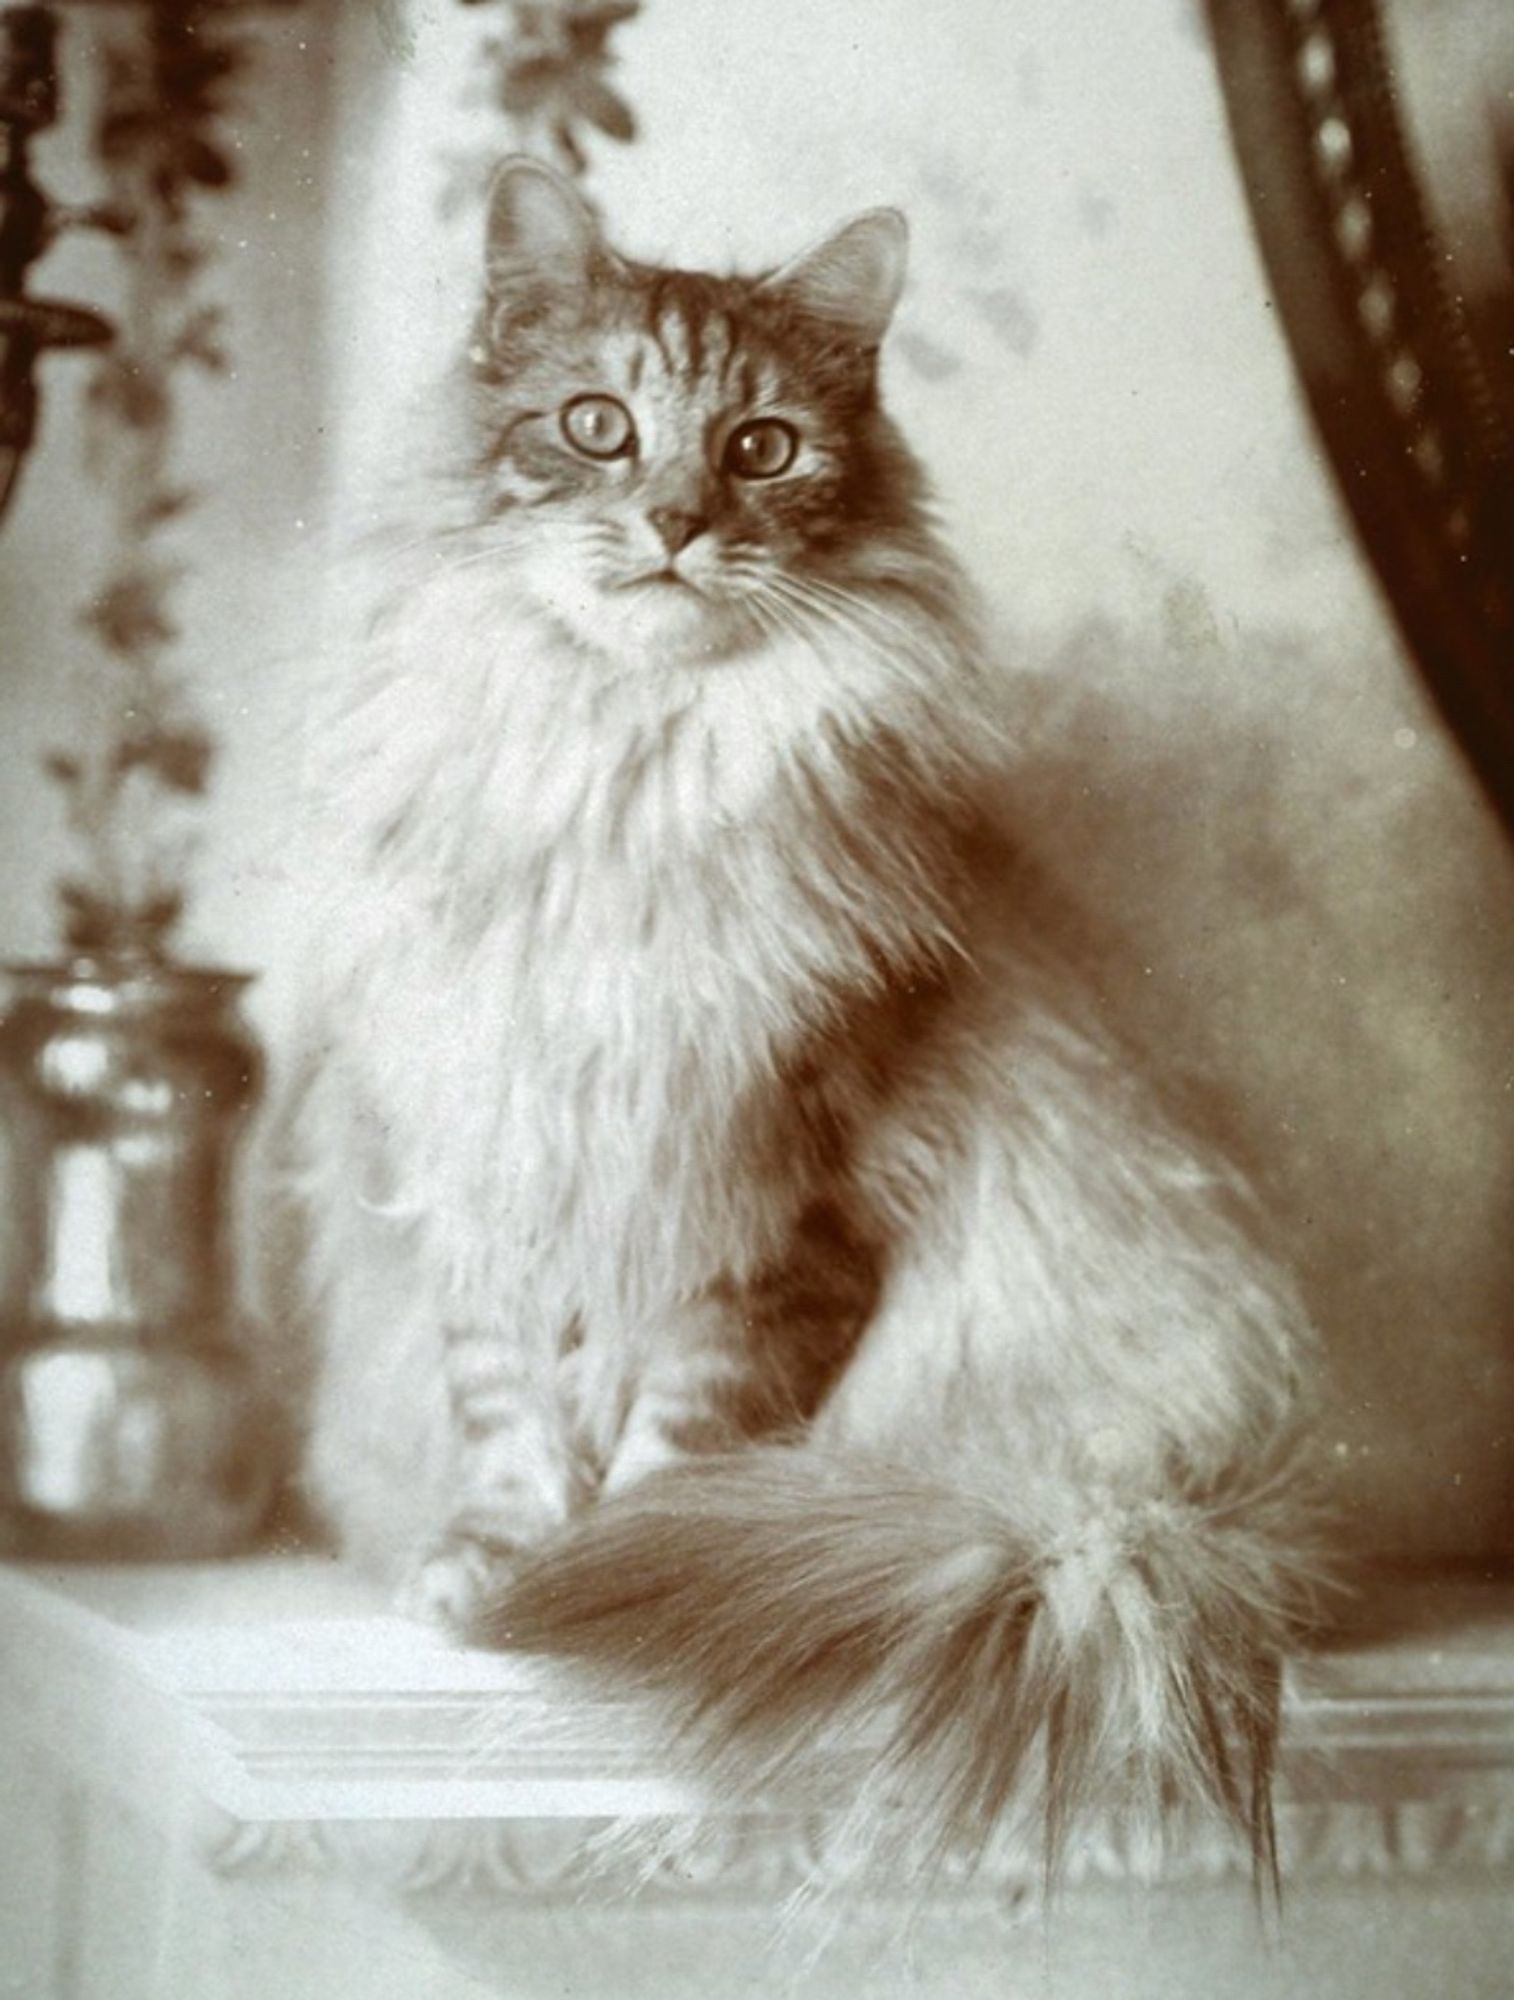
[291, 1693]
[244, 1747]
[299, 1697]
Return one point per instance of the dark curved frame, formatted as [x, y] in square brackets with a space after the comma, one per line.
[1421, 450]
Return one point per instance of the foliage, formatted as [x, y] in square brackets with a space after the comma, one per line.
[166, 78]
[550, 74]
[168, 73]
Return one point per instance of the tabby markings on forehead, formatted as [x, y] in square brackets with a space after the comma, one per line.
[705, 339]
[693, 345]
[670, 335]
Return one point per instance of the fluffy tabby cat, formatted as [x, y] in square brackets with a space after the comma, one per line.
[743, 1263]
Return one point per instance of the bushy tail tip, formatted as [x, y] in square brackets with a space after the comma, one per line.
[1045, 1667]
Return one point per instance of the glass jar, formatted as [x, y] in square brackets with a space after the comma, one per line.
[131, 1423]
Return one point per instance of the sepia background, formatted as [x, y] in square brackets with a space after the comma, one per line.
[1289, 888]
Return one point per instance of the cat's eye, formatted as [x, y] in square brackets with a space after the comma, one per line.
[599, 427]
[761, 449]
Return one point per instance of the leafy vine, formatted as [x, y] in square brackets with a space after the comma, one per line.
[547, 71]
[144, 753]
[165, 92]
[551, 74]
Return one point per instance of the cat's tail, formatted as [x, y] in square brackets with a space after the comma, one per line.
[1056, 1658]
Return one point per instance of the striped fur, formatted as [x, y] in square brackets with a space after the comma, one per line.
[743, 1262]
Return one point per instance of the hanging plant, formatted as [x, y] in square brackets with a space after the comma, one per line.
[548, 72]
[551, 74]
[144, 753]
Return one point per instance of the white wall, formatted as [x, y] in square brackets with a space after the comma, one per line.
[1225, 756]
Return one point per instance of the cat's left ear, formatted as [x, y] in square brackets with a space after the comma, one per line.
[853, 279]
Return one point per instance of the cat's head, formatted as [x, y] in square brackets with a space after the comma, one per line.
[683, 462]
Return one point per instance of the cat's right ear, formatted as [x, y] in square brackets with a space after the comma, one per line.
[853, 279]
[540, 232]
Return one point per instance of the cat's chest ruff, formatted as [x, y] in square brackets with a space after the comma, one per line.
[646, 772]
[490, 740]
[705, 855]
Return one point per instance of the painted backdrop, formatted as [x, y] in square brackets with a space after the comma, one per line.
[1288, 886]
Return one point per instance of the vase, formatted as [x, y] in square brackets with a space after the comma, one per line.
[131, 1421]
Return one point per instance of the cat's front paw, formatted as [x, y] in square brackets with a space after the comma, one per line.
[455, 1581]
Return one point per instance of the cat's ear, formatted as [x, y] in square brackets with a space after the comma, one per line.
[540, 231]
[853, 279]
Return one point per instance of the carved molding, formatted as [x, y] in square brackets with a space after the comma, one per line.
[763, 1860]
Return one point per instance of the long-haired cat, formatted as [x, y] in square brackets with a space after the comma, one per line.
[743, 1262]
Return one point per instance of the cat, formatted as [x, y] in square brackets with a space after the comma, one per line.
[744, 1263]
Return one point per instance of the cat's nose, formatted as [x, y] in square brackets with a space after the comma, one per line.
[676, 528]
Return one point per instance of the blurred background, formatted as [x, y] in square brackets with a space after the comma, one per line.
[1289, 886]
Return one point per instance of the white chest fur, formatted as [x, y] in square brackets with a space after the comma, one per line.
[576, 917]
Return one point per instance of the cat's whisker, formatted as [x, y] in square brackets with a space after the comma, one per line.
[778, 616]
[902, 647]
[860, 612]
[889, 642]
[811, 635]
[824, 600]
[762, 614]
[856, 599]
[499, 551]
